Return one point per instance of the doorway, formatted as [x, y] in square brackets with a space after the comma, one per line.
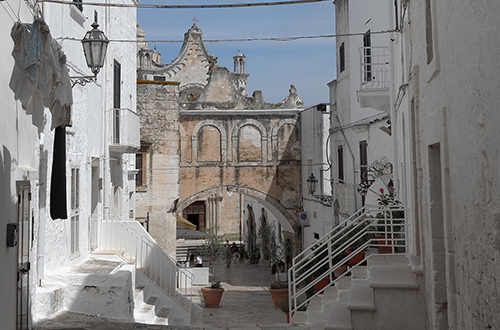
[23, 261]
[438, 255]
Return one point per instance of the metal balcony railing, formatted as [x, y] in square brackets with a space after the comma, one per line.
[132, 242]
[124, 131]
[374, 68]
[365, 230]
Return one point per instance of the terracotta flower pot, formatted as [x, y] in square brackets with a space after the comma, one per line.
[212, 297]
[279, 296]
[321, 284]
[384, 243]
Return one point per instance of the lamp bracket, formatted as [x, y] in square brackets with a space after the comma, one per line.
[324, 199]
[83, 80]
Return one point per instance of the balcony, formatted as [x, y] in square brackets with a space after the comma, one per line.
[124, 131]
[374, 88]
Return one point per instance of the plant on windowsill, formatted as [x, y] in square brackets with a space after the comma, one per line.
[213, 249]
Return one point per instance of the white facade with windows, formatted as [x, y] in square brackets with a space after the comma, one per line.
[99, 170]
[316, 164]
[360, 104]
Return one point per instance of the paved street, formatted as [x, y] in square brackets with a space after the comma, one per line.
[246, 304]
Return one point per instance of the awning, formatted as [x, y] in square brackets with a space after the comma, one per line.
[185, 223]
[189, 233]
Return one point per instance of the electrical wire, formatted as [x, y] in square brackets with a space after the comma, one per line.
[215, 6]
[293, 38]
[13, 18]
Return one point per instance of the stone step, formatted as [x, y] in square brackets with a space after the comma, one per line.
[344, 283]
[361, 296]
[387, 259]
[393, 277]
[359, 272]
[339, 318]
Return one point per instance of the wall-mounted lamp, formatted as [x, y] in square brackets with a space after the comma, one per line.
[312, 184]
[95, 44]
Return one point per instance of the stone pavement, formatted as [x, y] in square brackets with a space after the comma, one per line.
[246, 305]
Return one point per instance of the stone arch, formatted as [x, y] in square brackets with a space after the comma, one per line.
[263, 132]
[274, 135]
[287, 220]
[194, 139]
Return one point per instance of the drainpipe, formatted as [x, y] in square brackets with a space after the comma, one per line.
[392, 106]
[42, 200]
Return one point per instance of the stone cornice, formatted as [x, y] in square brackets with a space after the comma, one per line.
[158, 82]
[263, 112]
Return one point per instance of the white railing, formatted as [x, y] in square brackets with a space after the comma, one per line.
[367, 229]
[374, 68]
[124, 130]
[132, 242]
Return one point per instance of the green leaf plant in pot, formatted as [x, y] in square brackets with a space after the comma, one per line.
[273, 251]
[213, 249]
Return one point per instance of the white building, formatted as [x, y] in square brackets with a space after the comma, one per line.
[442, 92]
[452, 157]
[63, 228]
[317, 217]
[361, 141]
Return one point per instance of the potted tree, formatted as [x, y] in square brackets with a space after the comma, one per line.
[273, 252]
[213, 249]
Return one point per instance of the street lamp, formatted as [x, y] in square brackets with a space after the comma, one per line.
[312, 183]
[95, 44]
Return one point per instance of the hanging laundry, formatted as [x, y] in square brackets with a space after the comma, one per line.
[40, 78]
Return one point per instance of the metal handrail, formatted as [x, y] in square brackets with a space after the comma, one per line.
[139, 249]
[325, 258]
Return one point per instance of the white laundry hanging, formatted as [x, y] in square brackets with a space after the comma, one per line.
[40, 77]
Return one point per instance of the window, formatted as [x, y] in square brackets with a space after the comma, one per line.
[78, 4]
[363, 161]
[367, 56]
[75, 210]
[340, 165]
[342, 57]
[141, 166]
[428, 31]
[159, 78]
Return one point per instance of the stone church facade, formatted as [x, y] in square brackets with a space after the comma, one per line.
[206, 144]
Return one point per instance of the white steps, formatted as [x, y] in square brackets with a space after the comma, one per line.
[145, 309]
[388, 286]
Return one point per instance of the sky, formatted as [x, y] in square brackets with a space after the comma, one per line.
[308, 64]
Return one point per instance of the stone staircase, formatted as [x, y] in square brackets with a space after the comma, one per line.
[368, 297]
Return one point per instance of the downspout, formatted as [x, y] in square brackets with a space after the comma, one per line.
[42, 202]
[392, 106]
[105, 131]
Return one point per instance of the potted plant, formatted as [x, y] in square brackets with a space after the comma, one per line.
[213, 249]
[285, 308]
[273, 252]
[388, 223]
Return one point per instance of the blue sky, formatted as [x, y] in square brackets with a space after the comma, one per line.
[309, 64]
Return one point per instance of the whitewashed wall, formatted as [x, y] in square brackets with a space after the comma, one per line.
[27, 156]
[358, 123]
[314, 158]
[457, 154]
[19, 153]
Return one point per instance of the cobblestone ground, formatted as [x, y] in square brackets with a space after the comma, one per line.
[246, 304]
